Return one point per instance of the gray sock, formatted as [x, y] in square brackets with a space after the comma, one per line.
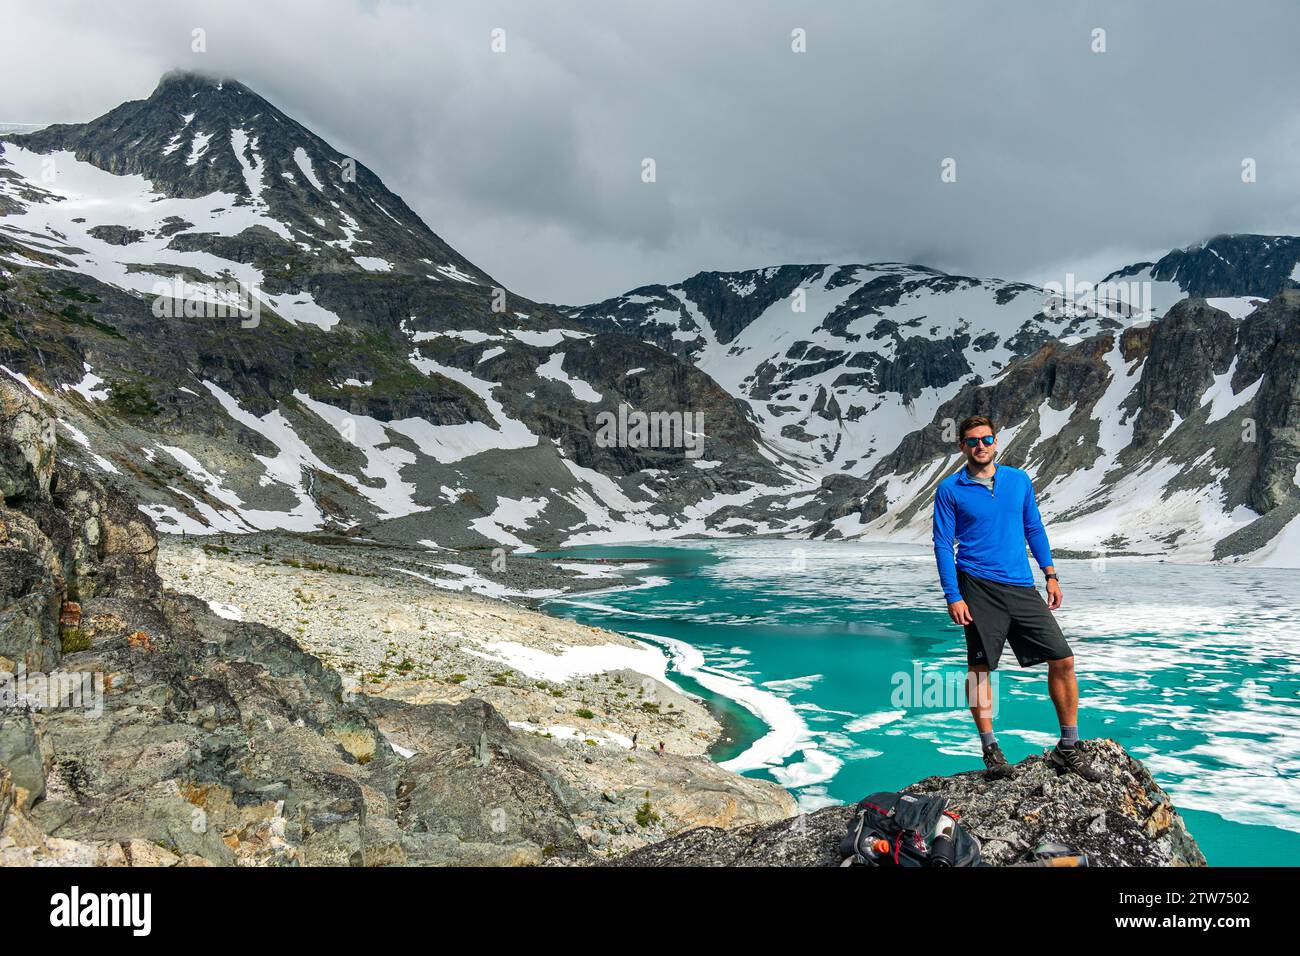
[987, 739]
[1069, 735]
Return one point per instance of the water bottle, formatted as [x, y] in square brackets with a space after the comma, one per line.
[943, 851]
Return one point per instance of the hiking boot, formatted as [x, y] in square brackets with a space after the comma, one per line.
[1072, 760]
[996, 762]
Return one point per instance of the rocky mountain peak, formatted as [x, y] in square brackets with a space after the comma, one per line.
[195, 81]
[202, 136]
[1229, 265]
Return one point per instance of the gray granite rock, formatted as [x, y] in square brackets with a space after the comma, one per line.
[1125, 819]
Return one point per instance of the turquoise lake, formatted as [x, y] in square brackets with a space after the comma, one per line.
[835, 671]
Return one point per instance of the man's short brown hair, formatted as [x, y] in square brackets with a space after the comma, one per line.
[974, 421]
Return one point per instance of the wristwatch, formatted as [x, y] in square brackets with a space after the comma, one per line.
[1051, 577]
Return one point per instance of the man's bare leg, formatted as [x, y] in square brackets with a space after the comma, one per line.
[1063, 686]
[979, 697]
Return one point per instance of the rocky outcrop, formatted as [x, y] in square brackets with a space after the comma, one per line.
[1192, 344]
[110, 545]
[32, 585]
[26, 447]
[1277, 408]
[64, 536]
[1125, 819]
[726, 302]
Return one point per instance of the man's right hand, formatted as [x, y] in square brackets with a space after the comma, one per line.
[959, 612]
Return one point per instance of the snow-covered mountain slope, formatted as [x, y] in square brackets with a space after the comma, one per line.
[839, 362]
[860, 373]
[373, 382]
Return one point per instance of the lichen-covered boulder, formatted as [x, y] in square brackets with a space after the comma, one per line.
[20, 755]
[31, 592]
[105, 541]
[26, 444]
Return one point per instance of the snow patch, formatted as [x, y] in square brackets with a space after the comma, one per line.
[198, 146]
[552, 369]
[89, 386]
[242, 143]
[230, 612]
[303, 162]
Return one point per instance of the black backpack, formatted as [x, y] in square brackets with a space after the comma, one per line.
[898, 829]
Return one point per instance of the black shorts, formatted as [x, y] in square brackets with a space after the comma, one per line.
[1008, 612]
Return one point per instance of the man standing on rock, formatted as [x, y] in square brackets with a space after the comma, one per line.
[990, 512]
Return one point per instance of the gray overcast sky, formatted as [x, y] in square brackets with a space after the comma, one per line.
[529, 161]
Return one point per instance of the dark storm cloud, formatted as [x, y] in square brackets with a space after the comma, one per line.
[529, 161]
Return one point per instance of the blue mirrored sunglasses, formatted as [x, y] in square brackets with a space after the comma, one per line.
[986, 439]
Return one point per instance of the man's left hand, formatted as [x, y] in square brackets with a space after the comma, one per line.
[1054, 596]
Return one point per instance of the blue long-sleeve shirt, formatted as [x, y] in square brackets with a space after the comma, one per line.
[990, 529]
